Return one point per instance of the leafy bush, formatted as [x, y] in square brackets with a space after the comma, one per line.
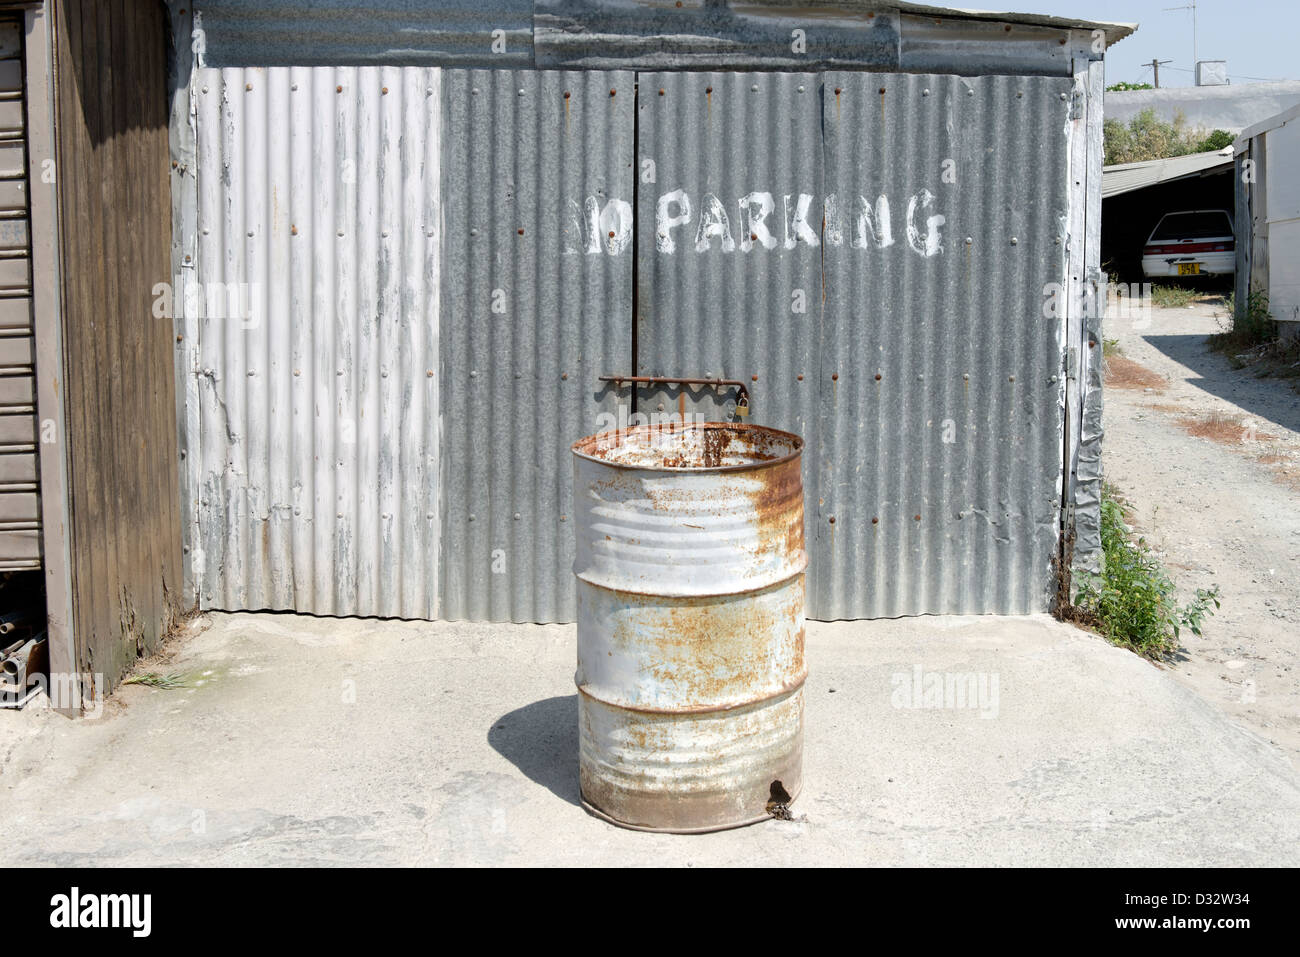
[1133, 603]
[1219, 139]
[1124, 86]
[1147, 137]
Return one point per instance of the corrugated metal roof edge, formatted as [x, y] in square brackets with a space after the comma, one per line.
[1114, 31]
[1193, 164]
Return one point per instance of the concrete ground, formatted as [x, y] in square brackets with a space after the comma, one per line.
[325, 741]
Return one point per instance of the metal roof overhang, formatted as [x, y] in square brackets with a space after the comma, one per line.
[1127, 177]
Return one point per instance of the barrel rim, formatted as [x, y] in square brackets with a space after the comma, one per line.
[795, 440]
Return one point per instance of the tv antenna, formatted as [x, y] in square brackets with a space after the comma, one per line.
[1195, 53]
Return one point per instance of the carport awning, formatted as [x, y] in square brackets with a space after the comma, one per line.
[1126, 177]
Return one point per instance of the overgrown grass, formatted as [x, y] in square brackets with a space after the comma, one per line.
[1255, 327]
[1133, 603]
[1173, 297]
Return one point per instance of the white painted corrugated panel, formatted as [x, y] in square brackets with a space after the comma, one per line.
[318, 198]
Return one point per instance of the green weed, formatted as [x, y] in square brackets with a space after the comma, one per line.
[1133, 602]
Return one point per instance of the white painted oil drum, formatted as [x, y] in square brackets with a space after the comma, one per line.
[690, 565]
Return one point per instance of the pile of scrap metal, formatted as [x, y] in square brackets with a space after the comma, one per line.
[23, 658]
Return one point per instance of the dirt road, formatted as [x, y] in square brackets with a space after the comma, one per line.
[1209, 456]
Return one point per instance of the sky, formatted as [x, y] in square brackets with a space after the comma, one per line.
[1258, 38]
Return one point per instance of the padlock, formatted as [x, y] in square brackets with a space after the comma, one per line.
[742, 407]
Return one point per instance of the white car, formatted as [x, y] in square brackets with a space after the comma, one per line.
[1193, 242]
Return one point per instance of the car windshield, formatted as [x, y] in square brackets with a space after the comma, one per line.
[1202, 225]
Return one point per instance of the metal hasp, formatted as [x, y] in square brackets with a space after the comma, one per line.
[742, 395]
[690, 581]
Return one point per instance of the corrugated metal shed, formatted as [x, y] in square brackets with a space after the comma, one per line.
[538, 169]
[1126, 177]
[1268, 217]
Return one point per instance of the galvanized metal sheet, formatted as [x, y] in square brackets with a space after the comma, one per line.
[729, 246]
[632, 34]
[538, 214]
[495, 33]
[316, 290]
[707, 35]
[930, 44]
[941, 380]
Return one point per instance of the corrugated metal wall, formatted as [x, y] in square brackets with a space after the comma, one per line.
[735, 156]
[317, 353]
[871, 253]
[942, 435]
[538, 210]
[786, 240]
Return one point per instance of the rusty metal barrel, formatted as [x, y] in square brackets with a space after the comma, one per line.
[690, 574]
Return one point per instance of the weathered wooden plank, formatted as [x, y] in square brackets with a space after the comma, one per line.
[113, 169]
